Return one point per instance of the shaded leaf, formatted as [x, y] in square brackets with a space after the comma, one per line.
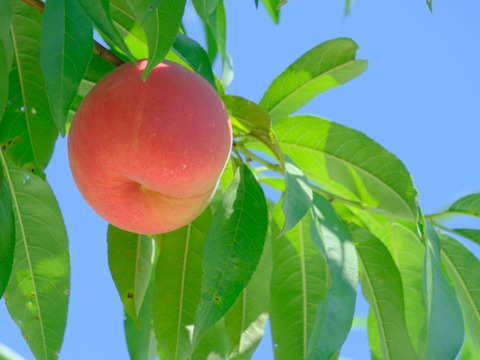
[335, 312]
[99, 13]
[139, 334]
[6, 52]
[245, 321]
[7, 233]
[67, 46]
[232, 250]
[471, 234]
[27, 130]
[324, 67]
[382, 287]
[349, 164]
[130, 258]
[444, 317]
[38, 291]
[204, 7]
[272, 8]
[298, 195]
[463, 269]
[299, 282]
[195, 56]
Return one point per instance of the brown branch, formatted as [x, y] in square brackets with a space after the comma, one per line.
[98, 49]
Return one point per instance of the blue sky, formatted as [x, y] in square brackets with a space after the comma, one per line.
[419, 98]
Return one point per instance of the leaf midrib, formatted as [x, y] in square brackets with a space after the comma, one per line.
[304, 287]
[24, 239]
[357, 168]
[316, 78]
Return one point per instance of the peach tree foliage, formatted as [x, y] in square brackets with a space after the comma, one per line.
[347, 211]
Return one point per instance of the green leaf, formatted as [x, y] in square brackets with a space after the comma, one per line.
[204, 7]
[130, 258]
[195, 56]
[178, 290]
[245, 321]
[232, 250]
[213, 345]
[467, 205]
[349, 164]
[429, 3]
[298, 195]
[272, 8]
[6, 52]
[38, 291]
[382, 287]
[161, 25]
[444, 317]
[139, 334]
[7, 233]
[408, 253]
[67, 46]
[299, 282]
[463, 269]
[335, 312]
[27, 130]
[326, 66]
[99, 13]
[471, 234]
[246, 114]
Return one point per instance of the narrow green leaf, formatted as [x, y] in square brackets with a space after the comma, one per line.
[27, 130]
[232, 250]
[7, 233]
[444, 317]
[195, 56]
[348, 163]
[298, 195]
[178, 291]
[130, 258]
[246, 114]
[471, 234]
[299, 282]
[272, 8]
[463, 269]
[161, 28]
[326, 66]
[467, 205]
[408, 253]
[382, 287]
[99, 13]
[335, 312]
[213, 345]
[429, 3]
[6, 52]
[204, 7]
[38, 291]
[67, 46]
[245, 321]
[139, 334]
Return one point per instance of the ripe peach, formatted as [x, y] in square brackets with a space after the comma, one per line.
[147, 156]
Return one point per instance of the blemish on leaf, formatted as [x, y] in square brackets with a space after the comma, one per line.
[33, 294]
[34, 111]
[68, 290]
[216, 298]
[129, 295]
[4, 147]
[26, 337]
[37, 318]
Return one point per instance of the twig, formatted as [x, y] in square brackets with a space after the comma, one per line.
[98, 49]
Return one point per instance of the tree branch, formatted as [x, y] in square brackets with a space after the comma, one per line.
[98, 49]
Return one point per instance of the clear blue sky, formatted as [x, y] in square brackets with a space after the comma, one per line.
[419, 98]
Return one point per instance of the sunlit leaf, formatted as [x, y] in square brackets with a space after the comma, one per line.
[27, 130]
[130, 258]
[99, 13]
[382, 287]
[463, 269]
[6, 52]
[298, 195]
[245, 321]
[471, 234]
[299, 282]
[349, 164]
[272, 8]
[408, 252]
[444, 317]
[467, 205]
[232, 250]
[7, 233]
[247, 114]
[38, 291]
[335, 312]
[139, 334]
[67, 46]
[326, 66]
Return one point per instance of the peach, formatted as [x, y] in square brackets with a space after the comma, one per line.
[147, 156]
